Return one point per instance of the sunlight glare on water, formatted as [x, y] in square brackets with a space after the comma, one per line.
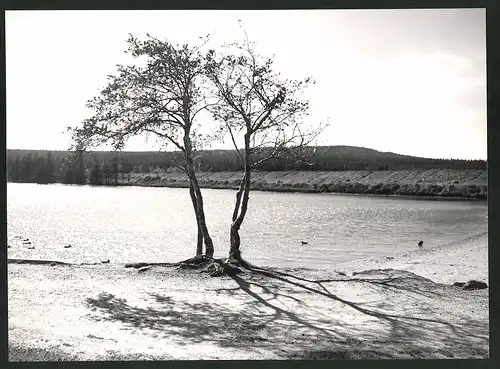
[131, 224]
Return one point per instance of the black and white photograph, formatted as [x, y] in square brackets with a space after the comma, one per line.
[301, 184]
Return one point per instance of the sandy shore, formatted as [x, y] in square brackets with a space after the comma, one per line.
[445, 264]
[406, 308]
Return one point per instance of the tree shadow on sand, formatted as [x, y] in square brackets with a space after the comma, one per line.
[467, 338]
[187, 322]
[274, 318]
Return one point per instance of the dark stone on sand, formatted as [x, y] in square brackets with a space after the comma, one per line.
[471, 285]
[475, 285]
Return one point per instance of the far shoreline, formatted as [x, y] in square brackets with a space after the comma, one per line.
[431, 183]
[309, 191]
[435, 197]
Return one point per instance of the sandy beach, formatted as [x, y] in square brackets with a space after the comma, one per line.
[397, 306]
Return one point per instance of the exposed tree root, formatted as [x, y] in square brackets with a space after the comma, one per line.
[194, 262]
[140, 265]
[215, 267]
[205, 264]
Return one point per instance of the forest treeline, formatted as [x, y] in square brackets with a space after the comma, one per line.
[105, 167]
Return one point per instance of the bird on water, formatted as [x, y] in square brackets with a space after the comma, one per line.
[67, 246]
[105, 261]
[303, 242]
[421, 243]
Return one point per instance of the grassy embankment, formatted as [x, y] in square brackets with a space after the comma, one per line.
[462, 183]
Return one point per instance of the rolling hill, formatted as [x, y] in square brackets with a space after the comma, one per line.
[322, 158]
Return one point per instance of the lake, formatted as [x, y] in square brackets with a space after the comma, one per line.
[132, 224]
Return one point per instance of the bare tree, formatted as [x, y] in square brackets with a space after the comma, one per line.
[262, 114]
[161, 94]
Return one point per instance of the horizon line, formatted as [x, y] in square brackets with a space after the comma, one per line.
[232, 149]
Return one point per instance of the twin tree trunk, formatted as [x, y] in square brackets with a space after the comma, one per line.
[239, 212]
[242, 197]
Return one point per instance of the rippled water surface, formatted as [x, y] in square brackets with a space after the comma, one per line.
[128, 224]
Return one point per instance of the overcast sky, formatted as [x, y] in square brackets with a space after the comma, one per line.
[406, 81]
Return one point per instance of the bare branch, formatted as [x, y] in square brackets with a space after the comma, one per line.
[181, 168]
[237, 150]
[167, 137]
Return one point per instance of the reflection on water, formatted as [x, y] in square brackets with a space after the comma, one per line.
[157, 224]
